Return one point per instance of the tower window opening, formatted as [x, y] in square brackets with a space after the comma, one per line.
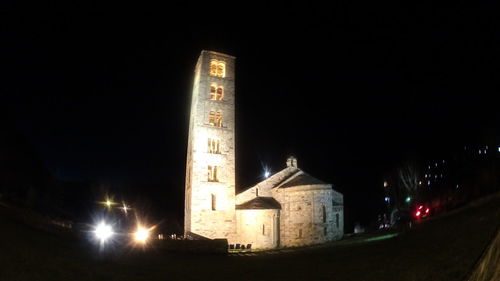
[220, 93]
[337, 220]
[263, 229]
[215, 118]
[213, 146]
[213, 92]
[212, 174]
[216, 92]
[214, 202]
[325, 230]
[323, 213]
[300, 233]
[217, 68]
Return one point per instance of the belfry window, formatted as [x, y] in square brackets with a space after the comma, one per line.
[337, 220]
[217, 68]
[215, 118]
[212, 174]
[220, 93]
[324, 213]
[216, 92]
[213, 146]
[213, 92]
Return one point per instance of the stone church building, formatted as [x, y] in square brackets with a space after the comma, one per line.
[289, 208]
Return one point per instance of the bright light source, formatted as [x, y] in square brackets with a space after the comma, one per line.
[141, 235]
[385, 184]
[417, 214]
[108, 203]
[125, 208]
[427, 210]
[267, 174]
[387, 199]
[103, 231]
[408, 199]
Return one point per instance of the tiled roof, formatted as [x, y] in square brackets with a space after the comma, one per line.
[302, 179]
[260, 203]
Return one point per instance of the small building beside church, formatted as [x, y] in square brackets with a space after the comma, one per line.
[289, 208]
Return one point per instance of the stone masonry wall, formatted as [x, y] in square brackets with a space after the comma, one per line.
[258, 227]
[200, 218]
[301, 221]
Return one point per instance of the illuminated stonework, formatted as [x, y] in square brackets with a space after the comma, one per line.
[210, 171]
[288, 208]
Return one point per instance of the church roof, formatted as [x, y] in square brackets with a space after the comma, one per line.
[301, 179]
[260, 203]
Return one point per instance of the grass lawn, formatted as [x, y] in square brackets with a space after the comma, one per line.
[441, 249]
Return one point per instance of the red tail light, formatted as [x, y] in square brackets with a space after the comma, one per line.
[427, 210]
[417, 214]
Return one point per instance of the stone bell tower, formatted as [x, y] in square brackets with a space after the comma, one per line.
[210, 167]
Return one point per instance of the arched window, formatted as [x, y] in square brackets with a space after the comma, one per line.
[221, 69]
[220, 93]
[214, 202]
[212, 174]
[211, 118]
[215, 118]
[217, 68]
[213, 146]
[213, 67]
[218, 119]
[324, 213]
[213, 92]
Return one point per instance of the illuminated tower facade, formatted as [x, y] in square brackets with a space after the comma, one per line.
[210, 166]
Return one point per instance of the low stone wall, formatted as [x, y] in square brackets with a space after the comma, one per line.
[215, 246]
[488, 267]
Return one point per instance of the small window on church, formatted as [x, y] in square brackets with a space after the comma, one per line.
[212, 174]
[263, 229]
[217, 68]
[215, 118]
[214, 202]
[213, 92]
[220, 93]
[218, 119]
[324, 213]
[257, 192]
[337, 220]
[213, 146]
[325, 230]
[213, 68]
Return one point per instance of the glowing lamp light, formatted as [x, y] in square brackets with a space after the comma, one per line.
[103, 231]
[427, 210]
[417, 214]
[267, 173]
[408, 199]
[141, 235]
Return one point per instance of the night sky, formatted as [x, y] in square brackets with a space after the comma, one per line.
[351, 90]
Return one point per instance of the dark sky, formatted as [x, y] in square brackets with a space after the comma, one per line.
[350, 89]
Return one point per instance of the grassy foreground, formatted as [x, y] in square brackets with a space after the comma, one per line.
[442, 249]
